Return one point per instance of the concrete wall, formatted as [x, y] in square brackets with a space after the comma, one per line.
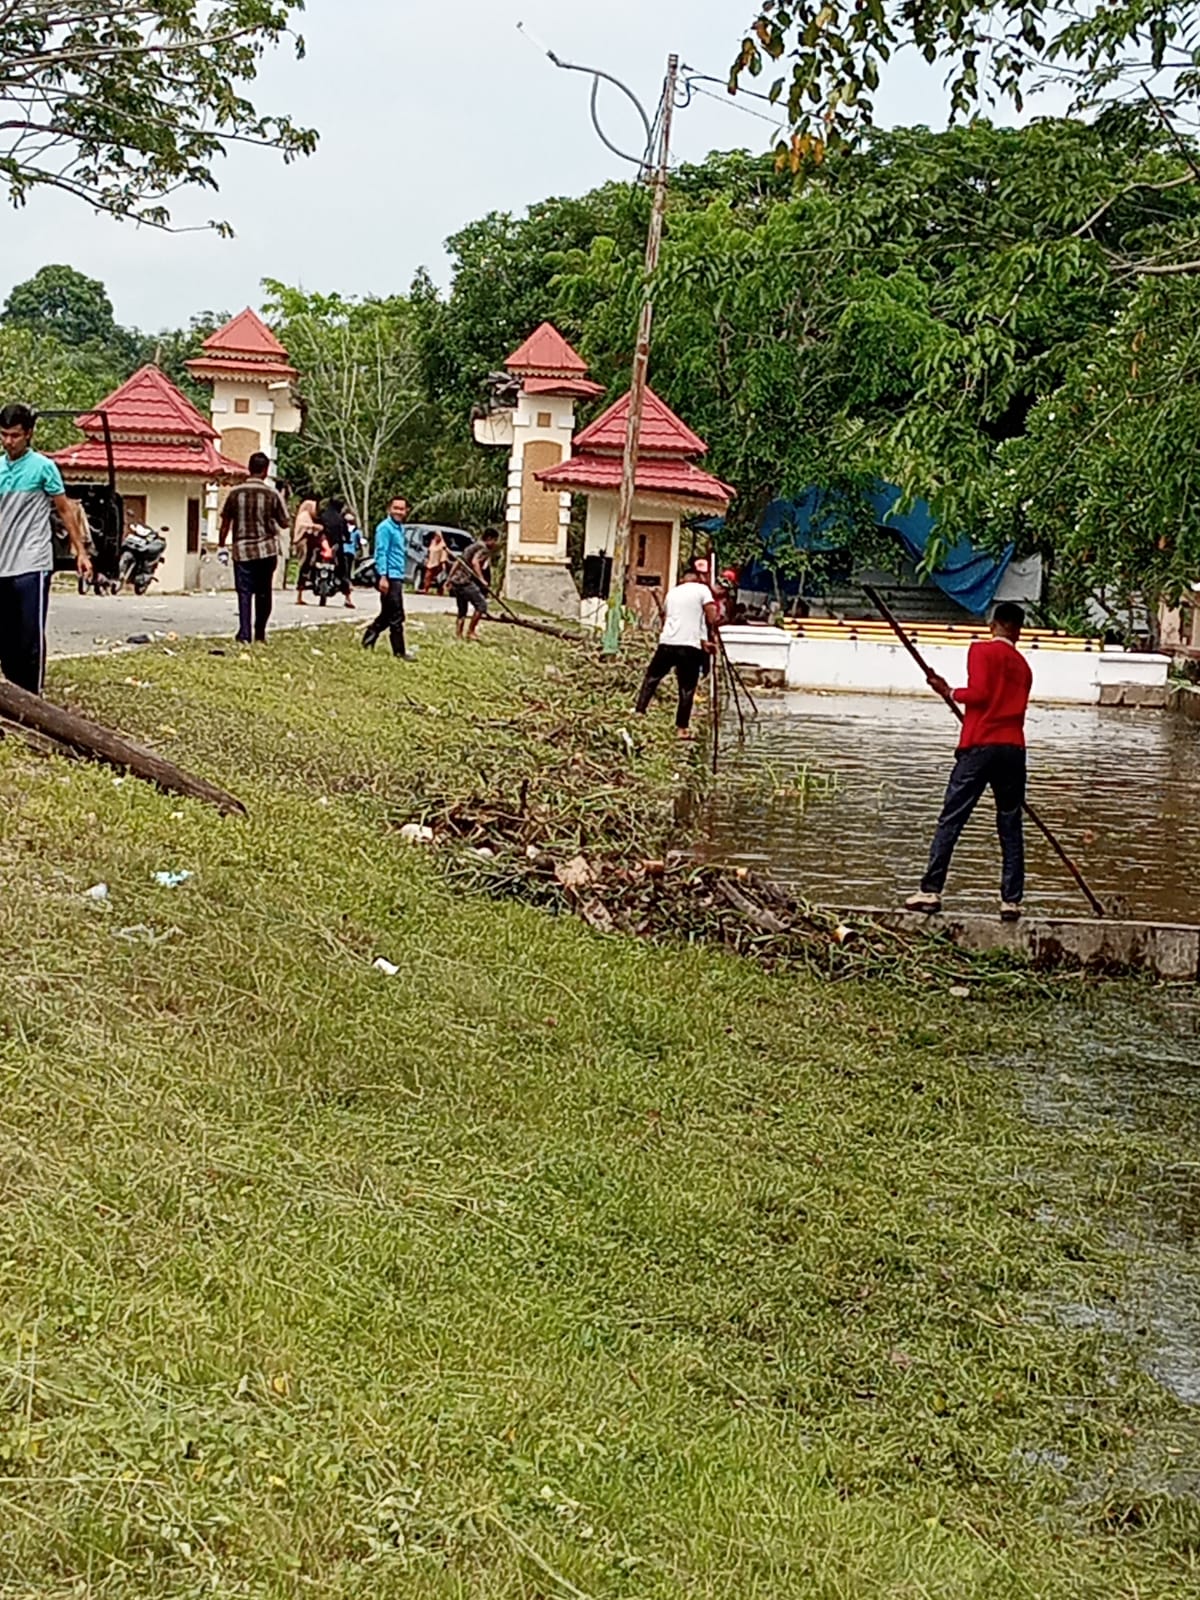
[269, 412]
[536, 572]
[872, 667]
[600, 537]
[166, 506]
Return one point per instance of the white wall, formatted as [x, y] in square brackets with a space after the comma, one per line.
[874, 667]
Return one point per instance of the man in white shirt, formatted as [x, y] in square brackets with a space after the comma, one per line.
[688, 635]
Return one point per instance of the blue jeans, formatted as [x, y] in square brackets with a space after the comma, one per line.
[1000, 767]
[24, 604]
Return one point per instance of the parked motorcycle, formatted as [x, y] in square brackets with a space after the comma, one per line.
[142, 552]
[325, 581]
[365, 574]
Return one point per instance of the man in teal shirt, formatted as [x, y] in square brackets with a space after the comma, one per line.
[391, 565]
[30, 487]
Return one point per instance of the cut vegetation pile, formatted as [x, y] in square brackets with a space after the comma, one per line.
[557, 1264]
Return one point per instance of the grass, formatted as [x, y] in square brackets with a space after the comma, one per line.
[556, 1266]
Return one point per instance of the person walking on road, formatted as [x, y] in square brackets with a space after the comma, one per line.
[687, 639]
[254, 513]
[391, 565]
[470, 581]
[334, 523]
[991, 754]
[31, 487]
[304, 537]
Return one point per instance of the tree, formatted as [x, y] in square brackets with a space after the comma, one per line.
[992, 49]
[122, 105]
[60, 301]
[360, 387]
[39, 370]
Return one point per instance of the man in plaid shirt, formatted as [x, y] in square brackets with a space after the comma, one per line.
[256, 516]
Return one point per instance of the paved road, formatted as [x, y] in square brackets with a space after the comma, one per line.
[87, 625]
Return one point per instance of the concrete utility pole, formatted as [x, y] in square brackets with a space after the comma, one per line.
[641, 367]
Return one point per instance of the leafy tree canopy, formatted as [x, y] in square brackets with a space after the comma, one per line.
[64, 303]
[123, 105]
[992, 50]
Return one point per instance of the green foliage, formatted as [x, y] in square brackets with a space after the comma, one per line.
[991, 50]
[64, 303]
[41, 371]
[121, 105]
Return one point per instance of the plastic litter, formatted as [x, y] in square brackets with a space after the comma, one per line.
[386, 967]
[98, 892]
[171, 880]
[415, 833]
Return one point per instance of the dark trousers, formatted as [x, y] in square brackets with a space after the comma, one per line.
[1000, 767]
[391, 618]
[687, 663]
[24, 603]
[255, 584]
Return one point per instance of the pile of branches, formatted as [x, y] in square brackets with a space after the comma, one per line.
[492, 848]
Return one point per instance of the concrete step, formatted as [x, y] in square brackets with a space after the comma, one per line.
[1169, 950]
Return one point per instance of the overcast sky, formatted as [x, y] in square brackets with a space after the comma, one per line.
[430, 115]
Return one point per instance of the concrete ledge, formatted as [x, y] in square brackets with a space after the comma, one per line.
[1169, 950]
[1185, 699]
[1145, 696]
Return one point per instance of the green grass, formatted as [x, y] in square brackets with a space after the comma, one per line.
[557, 1265]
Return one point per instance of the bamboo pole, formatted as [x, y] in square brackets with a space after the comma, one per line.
[889, 617]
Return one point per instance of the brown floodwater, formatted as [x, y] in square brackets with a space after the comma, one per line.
[837, 795]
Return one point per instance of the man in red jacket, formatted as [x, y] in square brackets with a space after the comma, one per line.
[991, 753]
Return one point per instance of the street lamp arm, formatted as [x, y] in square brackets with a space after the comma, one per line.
[596, 75]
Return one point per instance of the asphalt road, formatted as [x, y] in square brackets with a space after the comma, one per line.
[87, 625]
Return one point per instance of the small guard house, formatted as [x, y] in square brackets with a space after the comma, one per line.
[669, 488]
[166, 459]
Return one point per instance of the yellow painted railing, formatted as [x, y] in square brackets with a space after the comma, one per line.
[929, 634]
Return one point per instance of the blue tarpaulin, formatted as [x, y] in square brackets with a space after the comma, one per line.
[969, 576]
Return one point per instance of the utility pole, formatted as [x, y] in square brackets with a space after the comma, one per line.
[641, 367]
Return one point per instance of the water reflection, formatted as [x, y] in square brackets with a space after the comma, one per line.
[1122, 789]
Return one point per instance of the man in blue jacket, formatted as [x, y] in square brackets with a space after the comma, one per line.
[391, 563]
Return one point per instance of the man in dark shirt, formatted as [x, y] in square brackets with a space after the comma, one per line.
[470, 580]
[991, 754]
[256, 516]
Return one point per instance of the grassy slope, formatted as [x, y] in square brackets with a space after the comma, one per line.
[557, 1265]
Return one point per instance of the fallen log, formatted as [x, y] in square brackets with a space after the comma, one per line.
[538, 627]
[76, 735]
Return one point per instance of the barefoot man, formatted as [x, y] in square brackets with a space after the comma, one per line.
[991, 754]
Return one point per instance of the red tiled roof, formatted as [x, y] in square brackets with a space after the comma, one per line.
[202, 460]
[663, 433]
[245, 335]
[546, 351]
[225, 366]
[149, 403]
[579, 388]
[676, 480]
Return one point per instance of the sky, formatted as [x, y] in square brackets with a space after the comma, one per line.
[430, 116]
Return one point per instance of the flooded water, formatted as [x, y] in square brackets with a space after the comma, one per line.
[1136, 1073]
[837, 795]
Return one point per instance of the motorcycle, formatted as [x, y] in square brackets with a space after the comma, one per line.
[365, 574]
[325, 580]
[142, 552]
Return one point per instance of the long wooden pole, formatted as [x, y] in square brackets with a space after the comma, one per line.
[641, 369]
[102, 744]
[889, 617]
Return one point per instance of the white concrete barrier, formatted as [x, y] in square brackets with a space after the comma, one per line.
[876, 666]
